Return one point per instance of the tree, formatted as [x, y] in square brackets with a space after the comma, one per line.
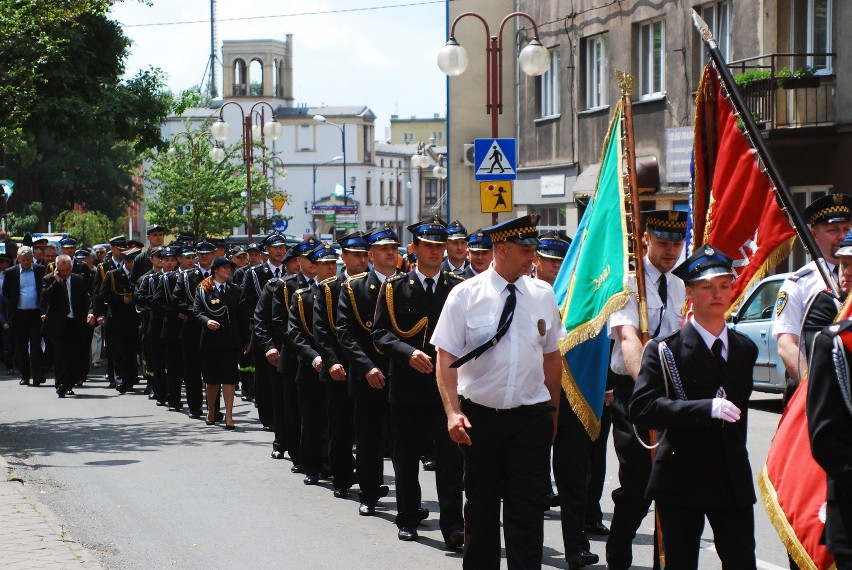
[77, 130]
[192, 192]
[27, 221]
[88, 227]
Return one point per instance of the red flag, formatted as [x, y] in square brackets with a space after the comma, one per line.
[734, 205]
[793, 486]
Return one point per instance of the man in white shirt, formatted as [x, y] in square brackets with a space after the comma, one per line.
[502, 404]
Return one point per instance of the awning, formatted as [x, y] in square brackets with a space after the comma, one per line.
[647, 174]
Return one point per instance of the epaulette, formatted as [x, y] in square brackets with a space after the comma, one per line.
[806, 270]
[396, 277]
[329, 280]
[300, 291]
[358, 276]
[453, 274]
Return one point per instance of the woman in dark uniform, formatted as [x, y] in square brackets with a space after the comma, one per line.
[217, 308]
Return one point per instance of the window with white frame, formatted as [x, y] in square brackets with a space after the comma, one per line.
[549, 87]
[305, 138]
[597, 71]
[819, 35]
[652, 59]
[718, 18]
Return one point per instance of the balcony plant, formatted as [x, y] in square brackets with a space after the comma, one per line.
[801, 78]
[754, 79]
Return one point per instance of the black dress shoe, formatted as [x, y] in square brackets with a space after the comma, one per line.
[161, 403]
[456, 540]
[340, 493]
[60, 392]
[70, 392]
[24, 382]
[581, 559]
[407, 533]
[195, 414]
[383, 491]
[39, 381]
[311, 479]
[210, 422]
[277, 454]
[423, 513]
[296, 469]
[552, 500]
[111, 384]
[367, 509]
[596, 528]
[428, 465]
[121, 389]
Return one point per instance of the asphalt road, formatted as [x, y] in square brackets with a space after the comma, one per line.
[145, 488]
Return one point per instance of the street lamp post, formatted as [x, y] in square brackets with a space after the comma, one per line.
[342, 127]
[314, 199]
[534, 59]
[272, 129]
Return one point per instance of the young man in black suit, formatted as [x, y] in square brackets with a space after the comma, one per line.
[22, 304]
[65, 305]
[695, 384]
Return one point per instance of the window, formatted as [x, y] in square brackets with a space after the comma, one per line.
[552, 218]
[597, 71]
[549, 88]
[652, 61]
[381, 192]
[305, 138]
[430, 191]
[718, 17]
[391, 198]
[819, 35]
[368, 191]
[762, 303]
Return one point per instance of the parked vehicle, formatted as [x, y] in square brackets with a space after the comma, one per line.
[754, 319]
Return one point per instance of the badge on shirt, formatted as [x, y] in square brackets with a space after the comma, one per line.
[214, 301]
[541, 329]
[780, 302]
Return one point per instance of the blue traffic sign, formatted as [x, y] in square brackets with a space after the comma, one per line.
[495, 159]
[281, 225]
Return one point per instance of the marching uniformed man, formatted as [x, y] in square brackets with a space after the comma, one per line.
[480, 249]
[830, 218]
[368, 368]
[322, 262]
[163, 261]
[255, 278]
[456, 260]
[829, 413]
[97, 311]
[122, 321]
[408, 308]
[695, 384]
[665, 232]
[549, 255]
[335, 364]
[164, 299]
[156, 238]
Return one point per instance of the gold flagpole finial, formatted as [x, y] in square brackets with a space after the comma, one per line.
[625, 82]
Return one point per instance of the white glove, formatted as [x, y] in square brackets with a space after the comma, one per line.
[724, 410]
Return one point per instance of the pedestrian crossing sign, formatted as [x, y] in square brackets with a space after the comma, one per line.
[495, 197]
[495, 159]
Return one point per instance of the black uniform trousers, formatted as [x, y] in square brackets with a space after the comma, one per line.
[733, 535]
[263, 397]
[409, 425]
[634, 468]
[287, 421]
[68, 339]
[509, 459]
[597, 470]
[340, 433]
[571, 452]
[313, 414]
[109, 350]
[370, 418]
[86, 352]
[125, 352]
[158, 367]
[26, 331]
[191, 340]
[174, 372]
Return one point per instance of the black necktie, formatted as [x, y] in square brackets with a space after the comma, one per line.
[66, 300]
[502, 327]
[277, 272]
[836, 273]
[430, 286]
[663, 291]
[717, 352]
[222, 289]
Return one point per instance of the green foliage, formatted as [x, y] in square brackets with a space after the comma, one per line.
[752, 76]
[73, 131]
[88, 227]
[187, 175]
[26, 221]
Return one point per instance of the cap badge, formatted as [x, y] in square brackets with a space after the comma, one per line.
[710, 251]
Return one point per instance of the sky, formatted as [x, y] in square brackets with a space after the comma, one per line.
[379, 53]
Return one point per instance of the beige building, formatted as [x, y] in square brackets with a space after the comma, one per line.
[417, 129]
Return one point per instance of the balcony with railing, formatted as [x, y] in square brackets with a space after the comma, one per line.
[788, 90]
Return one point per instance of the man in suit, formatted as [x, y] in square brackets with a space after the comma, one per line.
[65, 304]
[368, 368]
[122, 321]
[22, 303]
[695, 384]
[156, 237]
[97, 312]
[408, 308]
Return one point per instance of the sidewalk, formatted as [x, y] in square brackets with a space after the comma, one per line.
[31, 537]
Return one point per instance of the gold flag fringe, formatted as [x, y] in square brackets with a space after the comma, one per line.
[593, 326]
[782, 526]
[579, 404]
[780, 254]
